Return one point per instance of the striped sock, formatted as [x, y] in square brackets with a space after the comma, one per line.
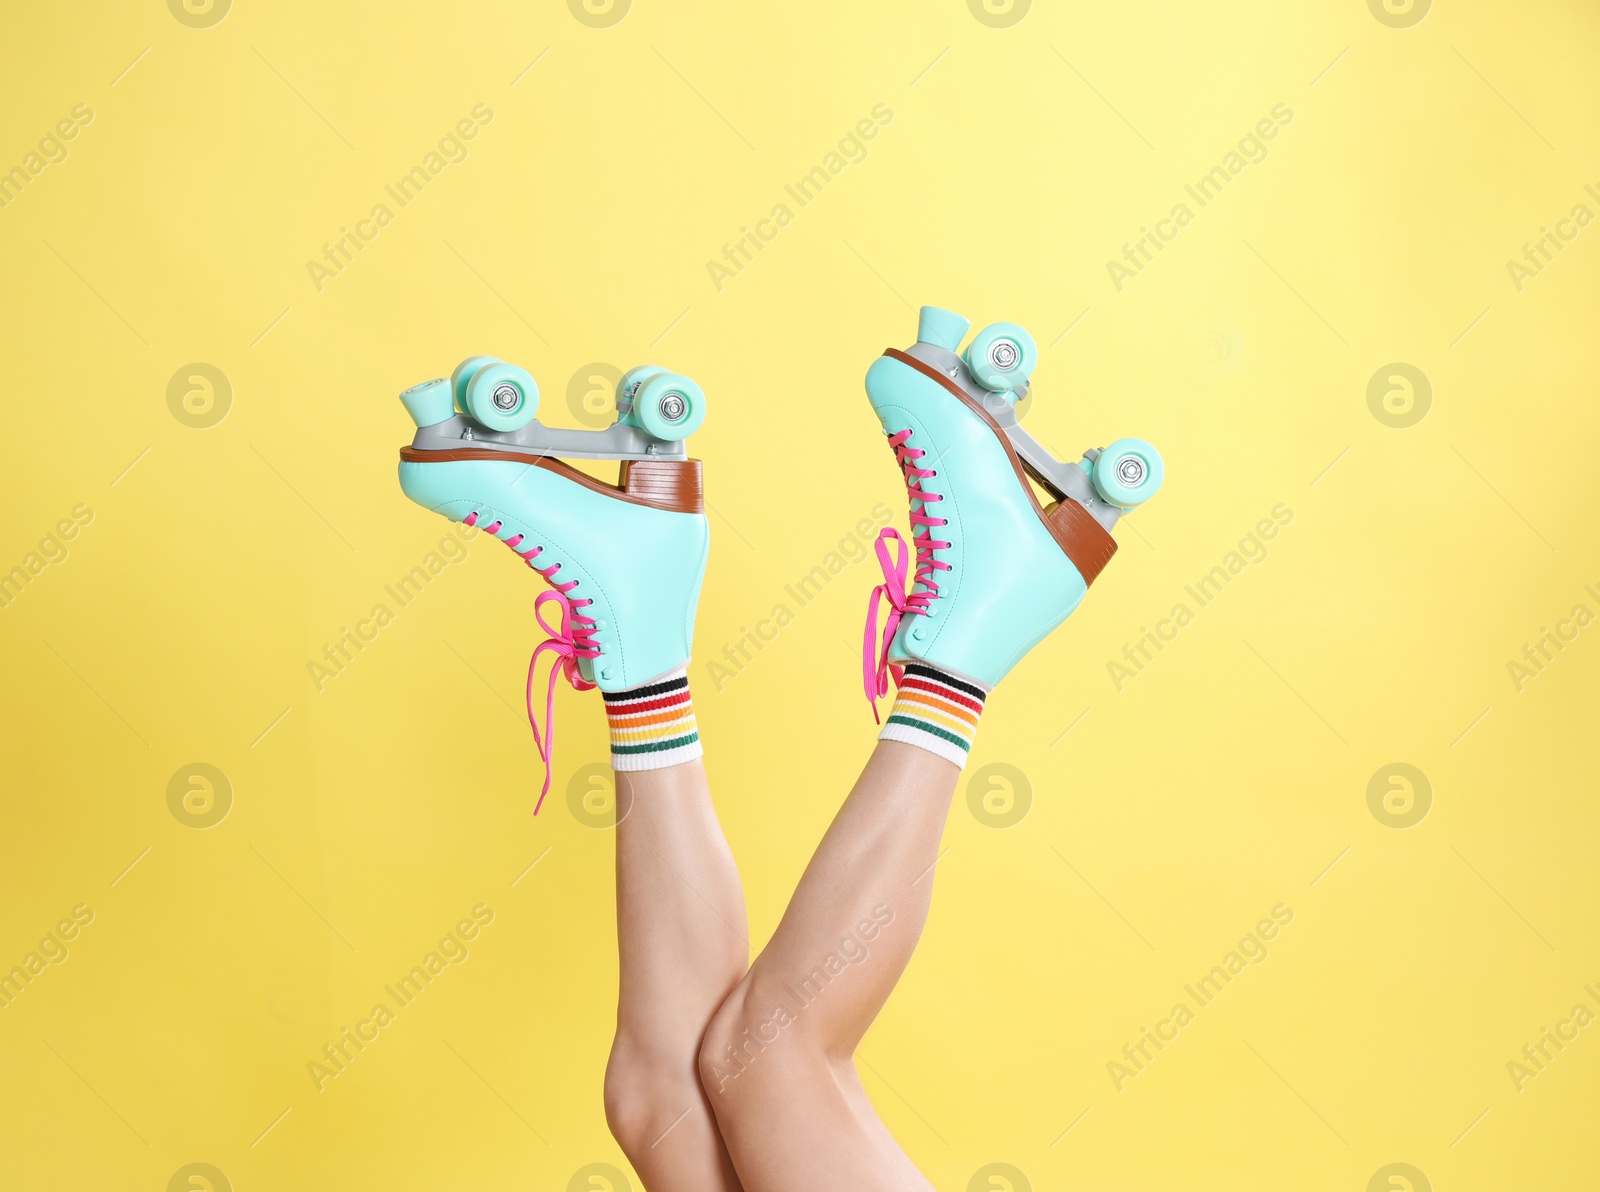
[653, 726]
[936, 712]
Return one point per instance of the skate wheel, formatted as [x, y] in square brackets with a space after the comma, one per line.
[628, 386]
[463, 374]
[429, 403]
[1001, 356]
[502, 396]
[669, 406]
[1128, 473]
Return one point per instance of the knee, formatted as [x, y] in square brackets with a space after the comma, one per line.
[644, 1094]
[716, 1062]
[752, 1043]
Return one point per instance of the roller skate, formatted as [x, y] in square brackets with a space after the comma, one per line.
[624, 561]
[995, 570]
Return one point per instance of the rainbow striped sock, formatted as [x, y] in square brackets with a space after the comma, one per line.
[653, 726]
[936, 712]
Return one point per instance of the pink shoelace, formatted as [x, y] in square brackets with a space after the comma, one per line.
[875, 666]
[570, 639]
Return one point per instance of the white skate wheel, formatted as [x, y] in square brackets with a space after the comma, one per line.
[669, 406]
[1002, 356]
[462, 377]
[628, 385]
[1128, 473]
[502, 396]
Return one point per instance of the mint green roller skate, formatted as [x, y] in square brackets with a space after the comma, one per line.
[624, 561]
[995, 570]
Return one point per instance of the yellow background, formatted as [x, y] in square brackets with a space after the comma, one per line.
[1231, 775]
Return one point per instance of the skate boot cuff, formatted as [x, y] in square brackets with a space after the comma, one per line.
[653, 726]
[936, 712]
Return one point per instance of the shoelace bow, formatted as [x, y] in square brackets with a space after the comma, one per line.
[875, 666]
[570, 639]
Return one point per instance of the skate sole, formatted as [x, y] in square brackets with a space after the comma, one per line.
[676, 487]
[1080, 537]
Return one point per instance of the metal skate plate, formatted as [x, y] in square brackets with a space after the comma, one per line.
[538, 441]
[1067, 482]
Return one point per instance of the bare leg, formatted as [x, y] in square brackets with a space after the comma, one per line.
[777, 1060]
[683, 942]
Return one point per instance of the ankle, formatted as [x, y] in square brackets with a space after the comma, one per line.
[653, 726]
[935, 711]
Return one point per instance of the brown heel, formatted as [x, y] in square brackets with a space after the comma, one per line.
[1083, 539]
[670, 485]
